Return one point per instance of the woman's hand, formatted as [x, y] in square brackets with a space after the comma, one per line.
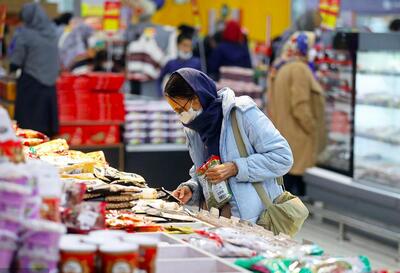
[221, 172]
[184, 194]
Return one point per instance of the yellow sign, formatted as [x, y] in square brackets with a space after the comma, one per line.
[329, 10]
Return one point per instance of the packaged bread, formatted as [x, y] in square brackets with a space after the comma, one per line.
[80, 176]
[28, 133]
[29, 142]
[87, 167]
[53, 146]
[97, 156]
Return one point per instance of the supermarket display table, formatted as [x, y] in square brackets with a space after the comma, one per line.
[163, 165]
[178, 256]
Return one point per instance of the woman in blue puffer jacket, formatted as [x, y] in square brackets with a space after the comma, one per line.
[205, 113]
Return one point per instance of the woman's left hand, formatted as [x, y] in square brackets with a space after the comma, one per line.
[221, 172]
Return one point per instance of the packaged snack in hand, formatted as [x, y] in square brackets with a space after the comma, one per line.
[216, 195]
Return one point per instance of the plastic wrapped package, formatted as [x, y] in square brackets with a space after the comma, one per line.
[47, 190]
[216, 195]
[359, 264]
[86, 216]
[8, 246]
[53, 146]
[13, 199]
[220, 249]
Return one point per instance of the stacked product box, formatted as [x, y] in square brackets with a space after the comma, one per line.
[91, 108]
[8, 94]
[152, 122]
[241, 81]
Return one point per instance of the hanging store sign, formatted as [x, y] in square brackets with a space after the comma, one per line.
[329, 10]
[112, 16]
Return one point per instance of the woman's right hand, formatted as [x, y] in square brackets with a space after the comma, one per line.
[184, 194]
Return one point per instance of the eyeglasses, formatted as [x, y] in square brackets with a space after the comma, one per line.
[182, 108]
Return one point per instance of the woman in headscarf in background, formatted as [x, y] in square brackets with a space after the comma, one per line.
[296, 106]
[232, 51]
[308, 21]
[36, 54]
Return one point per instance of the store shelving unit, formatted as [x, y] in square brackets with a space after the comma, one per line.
[368, 180]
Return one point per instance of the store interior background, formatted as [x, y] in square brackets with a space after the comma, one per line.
[349, 216]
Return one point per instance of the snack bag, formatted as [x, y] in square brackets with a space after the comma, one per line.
[216, 195]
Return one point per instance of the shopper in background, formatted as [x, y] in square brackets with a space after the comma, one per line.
[309, 21]
[232, 51]
[395, 25]
[185, 59]
[62, 22]
[74, 46]
[36, 54]
[206, 114]
[296, 106]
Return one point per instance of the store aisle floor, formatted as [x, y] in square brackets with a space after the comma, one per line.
[382, 256]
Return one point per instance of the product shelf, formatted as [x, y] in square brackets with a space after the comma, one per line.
[156, 147]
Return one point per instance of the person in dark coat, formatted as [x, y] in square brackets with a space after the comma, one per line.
[185, 59]
[232, 51]
[36, 54]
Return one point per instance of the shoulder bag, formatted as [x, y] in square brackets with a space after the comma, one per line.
[287, 213]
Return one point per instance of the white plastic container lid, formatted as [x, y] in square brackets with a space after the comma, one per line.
[107, 233]
[141, 240]
[98, 241]
[71, 238]
[77, 247]
[119, 247]
[45, 225]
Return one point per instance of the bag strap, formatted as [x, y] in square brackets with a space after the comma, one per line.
[258, 186]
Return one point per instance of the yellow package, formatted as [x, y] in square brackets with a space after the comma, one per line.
[87, 167]
[53, 146]
[98, 156]
[81, 176]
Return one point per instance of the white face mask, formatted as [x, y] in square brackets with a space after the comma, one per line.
[185, 55]
[188, 116]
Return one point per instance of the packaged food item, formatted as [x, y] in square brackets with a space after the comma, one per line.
[31, 134]
[310, 264]
[13, 199]
[32, 141]
[46, 181]
[97, 156]
[119, 257]
[77, 257]
[216, 195]
[41, 234]
[222, 250]
[85, 216]
[34, 262]
[148, 193]
[8, 246]
[10, 223]
[147, 251]
[12, 151]
[87, 167]
[53, 146]
[74, 193]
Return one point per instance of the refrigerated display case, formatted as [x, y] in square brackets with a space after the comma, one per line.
[334, 71]
[361, 76]
[377, 118]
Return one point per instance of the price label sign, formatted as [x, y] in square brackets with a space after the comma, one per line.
[329, 10]
[111, 17]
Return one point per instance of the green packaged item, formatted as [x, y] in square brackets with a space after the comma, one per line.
[216, 195]
[312, 264]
